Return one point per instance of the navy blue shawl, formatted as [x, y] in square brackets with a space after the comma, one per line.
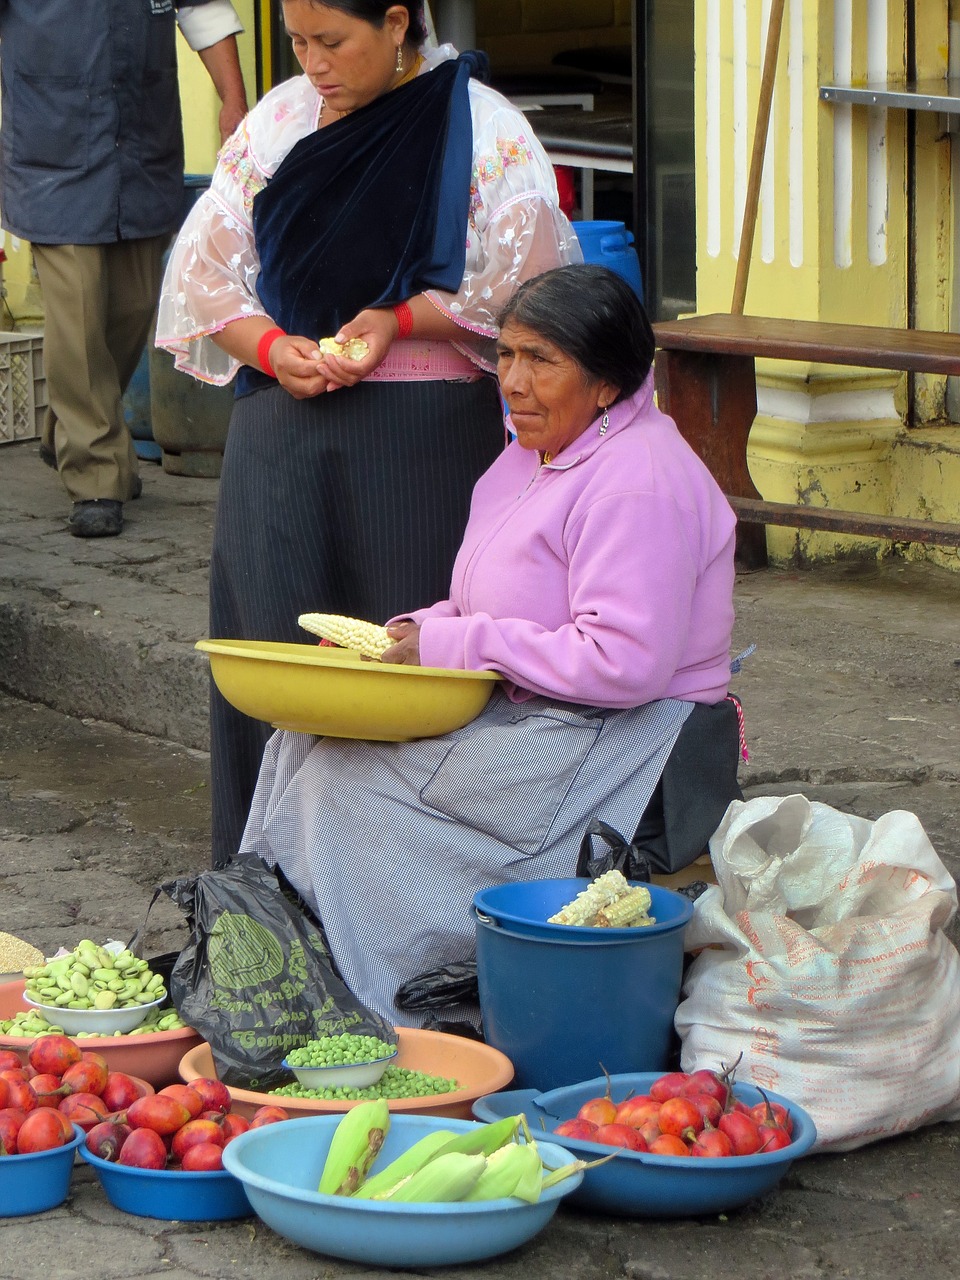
[368, 211]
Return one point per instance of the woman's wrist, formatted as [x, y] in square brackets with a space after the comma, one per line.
[264, 344]
[404, 317]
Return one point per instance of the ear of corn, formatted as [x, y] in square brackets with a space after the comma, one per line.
[583, 909]
[354, 1146]
[485, 1139]
[350, 633]
[352, 349]
[631, 909]
[444, 1178]
[412, 1160]
[513, 1170]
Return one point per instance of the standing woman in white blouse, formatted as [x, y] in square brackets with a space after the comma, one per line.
[382, 195]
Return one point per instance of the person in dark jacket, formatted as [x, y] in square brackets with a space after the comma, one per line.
[91, 174]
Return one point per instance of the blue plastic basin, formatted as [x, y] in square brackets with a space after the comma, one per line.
[280, 1166]
[33, 1183]
[640, 1185]
[564, 1003]
[171, 1194]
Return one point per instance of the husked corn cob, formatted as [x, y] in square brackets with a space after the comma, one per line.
[583, 909]
[352, 349]
[354, 1146]
[411, 1161]
[513, 1170]
[349, 633]
[444, 1178]
[631, 909]
[487, 1138]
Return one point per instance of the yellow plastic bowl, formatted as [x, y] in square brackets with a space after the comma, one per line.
[335, 693]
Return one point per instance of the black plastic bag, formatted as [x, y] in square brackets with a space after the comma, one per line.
[628, 859]
[255, 979]
[440, 988]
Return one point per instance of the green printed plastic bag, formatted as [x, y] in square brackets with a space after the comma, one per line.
[255, 979]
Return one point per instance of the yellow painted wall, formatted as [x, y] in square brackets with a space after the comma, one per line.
[831, 243]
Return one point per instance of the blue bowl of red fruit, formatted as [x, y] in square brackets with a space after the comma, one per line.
[681, 1145]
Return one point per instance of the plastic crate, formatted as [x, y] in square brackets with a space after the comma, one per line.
[23, 387]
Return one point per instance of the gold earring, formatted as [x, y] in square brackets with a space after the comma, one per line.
[399, 58]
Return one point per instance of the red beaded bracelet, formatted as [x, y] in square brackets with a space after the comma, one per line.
[404, 320]
[263, 349]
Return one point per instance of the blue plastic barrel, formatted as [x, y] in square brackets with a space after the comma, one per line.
[565, 1003]
[610, 244]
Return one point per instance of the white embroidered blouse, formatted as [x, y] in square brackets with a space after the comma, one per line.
[515, 229]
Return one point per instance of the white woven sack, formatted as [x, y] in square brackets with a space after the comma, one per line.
[828, 967]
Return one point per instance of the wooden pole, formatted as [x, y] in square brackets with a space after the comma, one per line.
[752, 201]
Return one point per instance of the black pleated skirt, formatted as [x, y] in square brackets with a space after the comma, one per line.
[351, 502]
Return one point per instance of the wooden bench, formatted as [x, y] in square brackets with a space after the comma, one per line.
[705, 373]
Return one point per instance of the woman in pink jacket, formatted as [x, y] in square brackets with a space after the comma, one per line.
[596, 575]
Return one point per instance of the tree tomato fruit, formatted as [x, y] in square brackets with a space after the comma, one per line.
[680, 1117]
[620, 1135]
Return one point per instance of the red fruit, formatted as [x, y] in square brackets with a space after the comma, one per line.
[598, 1110]
[48, 1090]
[620, 1135]
[671, 1085]
[712, 1144]
[773, 1138]
[710, 1109]
[743, 1132]
[268, 1115]
[637, 1111]
[187, 1095]
[233, 1125]
[158, 1112]
[120, 1090]
[87, 1075]
[17, 1073]
[192, 1134]
[84, 1109]
[709, 1082]
[582, 1129]
[668, 1144]
[773, 1114]
[216, 1096]
[41, 1131]
[11, 1118]
[680, 1117]
[52, 1054]
[3, 1093]
[106, 1138]
[9, 1060]
[20, 1094]
[144, 1149]
[203, 1158]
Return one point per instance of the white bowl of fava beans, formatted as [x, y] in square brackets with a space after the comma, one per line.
[96, 1022]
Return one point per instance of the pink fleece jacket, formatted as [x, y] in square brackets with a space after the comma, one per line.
[604, 577]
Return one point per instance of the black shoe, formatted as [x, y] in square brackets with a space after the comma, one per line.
[48, 456]
[96, 518]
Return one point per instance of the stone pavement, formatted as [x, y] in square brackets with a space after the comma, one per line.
[851, 697]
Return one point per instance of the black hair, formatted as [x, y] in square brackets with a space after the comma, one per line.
[592, 315]
[375, 12]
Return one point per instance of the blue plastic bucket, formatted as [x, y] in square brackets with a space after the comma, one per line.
[610, 244]
[566, 1003]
